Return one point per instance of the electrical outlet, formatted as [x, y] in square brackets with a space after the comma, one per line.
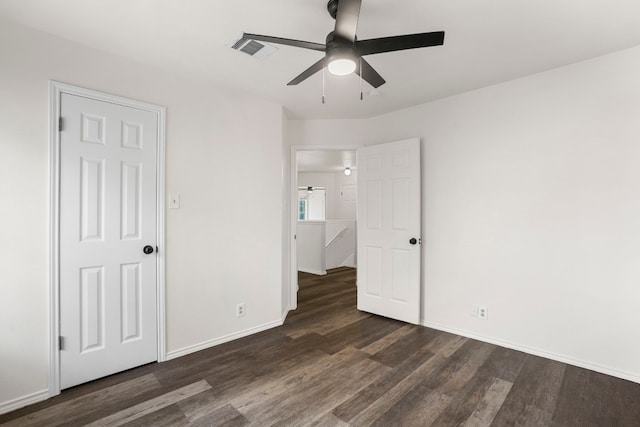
[240, 310]
[483, 312]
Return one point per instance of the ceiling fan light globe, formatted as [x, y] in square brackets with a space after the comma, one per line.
[341, 66]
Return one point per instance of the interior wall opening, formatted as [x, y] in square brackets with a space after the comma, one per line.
[324, 193]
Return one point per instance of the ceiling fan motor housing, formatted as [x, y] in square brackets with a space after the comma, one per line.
[332, 8]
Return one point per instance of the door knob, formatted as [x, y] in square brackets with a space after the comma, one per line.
[413, 241]
[148, 249]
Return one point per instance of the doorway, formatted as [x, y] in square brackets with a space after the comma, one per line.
[388, 229]
[326, 235]
[107, 235]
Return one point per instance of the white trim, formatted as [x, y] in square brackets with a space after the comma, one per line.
[21, 402]
[316, 272]
[54, 237]
[293, 220]
[56, 89]
[226, 338]
[284, 316]
[537, 352]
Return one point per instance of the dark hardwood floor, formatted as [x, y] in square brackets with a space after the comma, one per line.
[330, 365]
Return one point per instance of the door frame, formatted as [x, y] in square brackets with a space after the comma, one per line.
[293, 224]
[56, 89]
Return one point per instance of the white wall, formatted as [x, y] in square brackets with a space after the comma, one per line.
[311, 255]
[531, 206]
[210, 240]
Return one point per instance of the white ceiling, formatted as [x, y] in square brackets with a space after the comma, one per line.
[486, 42]
[326, 160]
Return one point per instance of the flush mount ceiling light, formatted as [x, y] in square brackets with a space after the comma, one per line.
[341, 62]
[341, 67]
[347, 171]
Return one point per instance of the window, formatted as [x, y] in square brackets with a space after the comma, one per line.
[302, 209]
[311, 204]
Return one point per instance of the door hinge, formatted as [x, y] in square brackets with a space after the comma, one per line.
[60, 343]
[60, 123]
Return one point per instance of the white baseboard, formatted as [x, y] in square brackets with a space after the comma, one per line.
[316, 272]
[23, 401]
[217, 341]
[284, 315]
[537, 352]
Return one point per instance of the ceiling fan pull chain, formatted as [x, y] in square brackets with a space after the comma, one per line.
[361, 97]
[323, 85]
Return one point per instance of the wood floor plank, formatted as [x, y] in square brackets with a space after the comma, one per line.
[486, 410]
[465, 402]
[170, 416]
[224, 415]
[152, 405]
[249, 368]
[389, 339]
[328, 420]
[90, 403]
[414, 410]
[201, 405]
[439, 387]
[446, 344]
[536, 387]
[361, 333]
[589, 398]
[291, 384]
[324, 394]
[328, 324]
[380, 406]
[469, 398]
[190, 368]
[504, 363]
[281, 383]
[361, 400]
[412, 342]
[459, 369]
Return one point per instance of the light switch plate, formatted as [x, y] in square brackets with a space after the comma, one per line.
[174, 201]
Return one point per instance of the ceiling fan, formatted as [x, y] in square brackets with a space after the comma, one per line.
[344, 52]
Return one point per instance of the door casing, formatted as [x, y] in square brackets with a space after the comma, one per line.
[56, 89]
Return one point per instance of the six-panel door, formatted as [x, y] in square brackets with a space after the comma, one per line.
[108, 309]
[388, 218]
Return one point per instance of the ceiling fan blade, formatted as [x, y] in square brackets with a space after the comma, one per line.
[347, 19]
[288, 42]
[370, 75]
[308, 72]
[391, 44]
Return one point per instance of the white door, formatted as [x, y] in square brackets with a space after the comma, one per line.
[389, 230]
[348, 201]
[108, 287]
